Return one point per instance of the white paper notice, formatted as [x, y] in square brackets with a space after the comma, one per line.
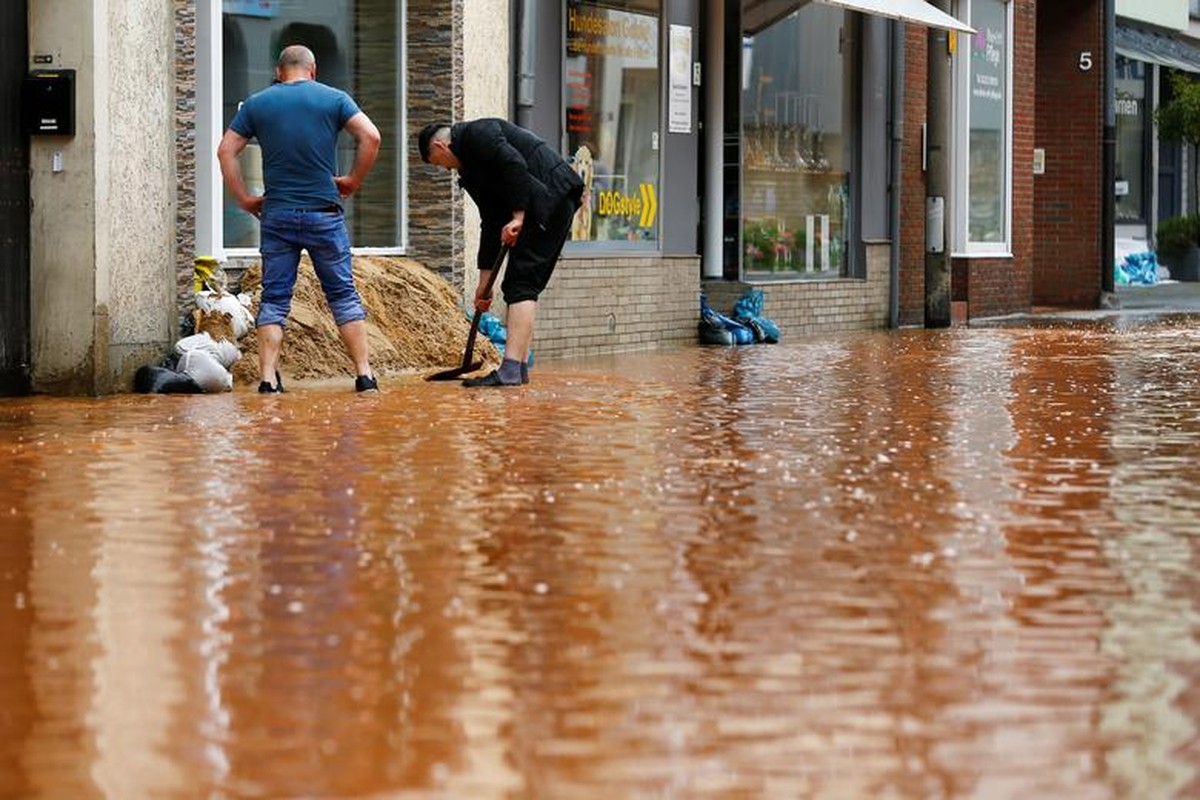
[679, 102]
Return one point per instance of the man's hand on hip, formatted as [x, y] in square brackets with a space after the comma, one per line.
[252, 204]
[347, 185]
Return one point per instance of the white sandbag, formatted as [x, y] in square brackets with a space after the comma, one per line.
[225, 351]
[238, 311]
[206, 300]
[243, 320]
[202, 367]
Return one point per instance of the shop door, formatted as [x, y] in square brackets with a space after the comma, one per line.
[14, 203]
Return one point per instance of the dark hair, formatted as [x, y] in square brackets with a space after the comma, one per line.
[426, 136]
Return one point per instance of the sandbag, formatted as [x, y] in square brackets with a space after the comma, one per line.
[152, 379]
[202, 367]
[748, 311]
[240, 316]
[491, 327]
[713, 322]
[225, 351]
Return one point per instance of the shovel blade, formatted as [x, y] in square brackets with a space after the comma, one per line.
[454, 374]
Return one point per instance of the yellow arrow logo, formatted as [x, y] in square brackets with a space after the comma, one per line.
[649, 206]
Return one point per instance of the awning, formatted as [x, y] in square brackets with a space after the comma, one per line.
[759, 14]
[1157, 48]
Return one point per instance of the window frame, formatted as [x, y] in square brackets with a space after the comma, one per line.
[959, 192]
[209, 207]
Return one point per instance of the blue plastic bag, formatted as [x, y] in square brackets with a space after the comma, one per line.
[491, 327]
[748, 311]
[739, 333]
[1137, 269]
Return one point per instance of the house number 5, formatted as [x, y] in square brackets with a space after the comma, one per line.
[1085, 61]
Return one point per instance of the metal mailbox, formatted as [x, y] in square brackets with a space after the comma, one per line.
[48, 102]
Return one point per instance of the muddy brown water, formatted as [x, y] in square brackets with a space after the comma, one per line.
[954, 564]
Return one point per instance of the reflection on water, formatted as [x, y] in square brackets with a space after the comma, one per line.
[887, 565]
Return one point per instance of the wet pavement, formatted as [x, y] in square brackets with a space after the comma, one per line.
[896, 564]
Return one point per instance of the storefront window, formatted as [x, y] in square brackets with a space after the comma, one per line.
[1131, 140]
[360, 59]
[796, 138]
[988, 103]
[612, 118]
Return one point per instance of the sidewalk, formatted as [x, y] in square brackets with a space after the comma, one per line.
[1176, 297]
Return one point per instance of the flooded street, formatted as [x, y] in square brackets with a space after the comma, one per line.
[884, 565]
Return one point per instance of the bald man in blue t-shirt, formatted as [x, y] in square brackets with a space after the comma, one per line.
[296, 122]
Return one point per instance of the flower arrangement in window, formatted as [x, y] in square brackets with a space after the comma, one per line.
[770, 246]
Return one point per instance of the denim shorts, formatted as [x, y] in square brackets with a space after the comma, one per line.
[284, 233]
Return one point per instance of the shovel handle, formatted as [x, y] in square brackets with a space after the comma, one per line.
[487, 290]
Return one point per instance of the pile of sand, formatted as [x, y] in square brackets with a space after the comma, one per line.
[415, 322]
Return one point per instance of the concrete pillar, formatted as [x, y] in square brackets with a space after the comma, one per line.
[714, 142]
[102, 246]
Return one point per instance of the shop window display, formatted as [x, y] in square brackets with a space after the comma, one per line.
[1130, 106]
[797, 129]
[613, 106]
[988, 149]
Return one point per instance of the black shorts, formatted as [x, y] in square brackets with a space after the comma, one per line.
[532, 261]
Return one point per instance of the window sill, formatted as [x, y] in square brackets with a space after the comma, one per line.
[972, 255]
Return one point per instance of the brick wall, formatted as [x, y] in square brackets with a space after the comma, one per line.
[912, 188]
[607, 305]
[1067, 210]
[811, 308]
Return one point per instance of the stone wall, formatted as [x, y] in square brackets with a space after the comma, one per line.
[185, 149]
[435, 94]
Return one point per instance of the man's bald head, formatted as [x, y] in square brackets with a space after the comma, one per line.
[296, 61]
[296, 55]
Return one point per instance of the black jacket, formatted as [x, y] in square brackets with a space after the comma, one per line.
[505, 168]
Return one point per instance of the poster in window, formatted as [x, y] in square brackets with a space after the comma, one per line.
[679, 102]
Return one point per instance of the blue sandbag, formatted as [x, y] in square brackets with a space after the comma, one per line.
[1139, 269]
[491, 327]
[711, 329]
[748, 311]
[739, 333]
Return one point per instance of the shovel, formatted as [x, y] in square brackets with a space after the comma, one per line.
[467, 365]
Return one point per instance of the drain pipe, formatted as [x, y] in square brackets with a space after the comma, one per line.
[514, 53]
[937, 175]
[898, 56]
[1108, 230]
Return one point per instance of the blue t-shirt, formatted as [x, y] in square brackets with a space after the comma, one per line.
[297, 126]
